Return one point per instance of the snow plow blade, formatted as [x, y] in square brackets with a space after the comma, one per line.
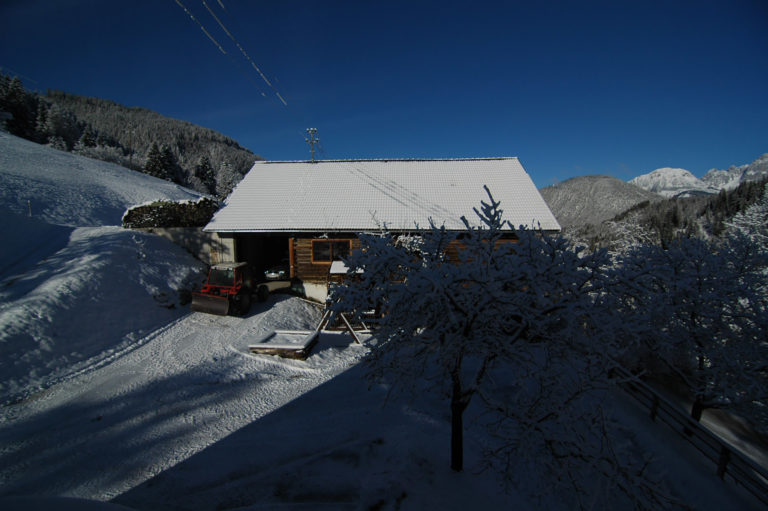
[210, 304]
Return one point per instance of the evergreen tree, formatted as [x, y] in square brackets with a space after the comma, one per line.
[57, 143]
[156, 165]
[63, 125]
[41, 124]
[172, 170]
[88, 138]
[204, 172]
[22, 105]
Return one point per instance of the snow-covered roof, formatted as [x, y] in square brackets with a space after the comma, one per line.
[364, 195]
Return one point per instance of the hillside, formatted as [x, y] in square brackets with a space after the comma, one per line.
[592, 199]
[659, 222]
[137, 138]
[67, 189]
[136, 129]
[68, 266]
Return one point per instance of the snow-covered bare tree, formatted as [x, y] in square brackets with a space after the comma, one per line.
[699, 311]
[517, 328]
[753, 222]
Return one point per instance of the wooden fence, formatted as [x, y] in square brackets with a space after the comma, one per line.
[727, 462]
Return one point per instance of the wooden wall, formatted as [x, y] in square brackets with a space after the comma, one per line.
[313, 272]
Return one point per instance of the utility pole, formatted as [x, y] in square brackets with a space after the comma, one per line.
[312, 132]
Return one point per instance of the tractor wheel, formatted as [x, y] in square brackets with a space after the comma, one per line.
[245, 304]
[262, 293]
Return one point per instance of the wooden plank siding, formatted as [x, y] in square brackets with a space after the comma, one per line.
[305, 268]
[312, 271]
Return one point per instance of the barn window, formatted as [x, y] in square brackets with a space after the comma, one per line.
[327, 251]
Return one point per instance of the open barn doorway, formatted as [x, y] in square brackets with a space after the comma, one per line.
[263, 252]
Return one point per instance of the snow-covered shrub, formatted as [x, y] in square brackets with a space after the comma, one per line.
[171, 214]
[519, 330]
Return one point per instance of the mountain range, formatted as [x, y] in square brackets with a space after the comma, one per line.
[673, 182]
[590, 200]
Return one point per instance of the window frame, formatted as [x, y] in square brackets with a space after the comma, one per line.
[331, 242]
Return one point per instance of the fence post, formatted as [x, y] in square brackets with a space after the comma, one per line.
[722, 463]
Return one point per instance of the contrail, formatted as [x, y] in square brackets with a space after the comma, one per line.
[201, 27]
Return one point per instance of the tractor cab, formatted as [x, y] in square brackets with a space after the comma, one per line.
[227, 290]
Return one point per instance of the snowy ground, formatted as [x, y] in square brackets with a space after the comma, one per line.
[111, 390]
[75, 288]
[145, 409]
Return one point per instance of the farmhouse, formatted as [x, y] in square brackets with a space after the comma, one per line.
[306, 214]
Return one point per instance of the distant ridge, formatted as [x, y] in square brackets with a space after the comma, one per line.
[592, 199]
[671, 182]
[679, 183]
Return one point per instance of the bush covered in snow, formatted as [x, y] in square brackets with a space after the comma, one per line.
[171, 214]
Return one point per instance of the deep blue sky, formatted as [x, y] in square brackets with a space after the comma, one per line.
[572, 88]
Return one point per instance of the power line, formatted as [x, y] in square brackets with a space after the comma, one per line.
[201, 27]
[236, 43]
[250, 61]
[219, 46]
[245, 54]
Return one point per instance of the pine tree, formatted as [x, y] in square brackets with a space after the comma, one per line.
[41, 125]
[63, 125]
[22, 105]
[172, 170]
[156, 165]
[204, 172]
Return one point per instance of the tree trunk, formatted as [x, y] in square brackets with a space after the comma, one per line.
[458, 405]
[457, 436]
[696, 411]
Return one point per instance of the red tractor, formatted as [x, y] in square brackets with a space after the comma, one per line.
[228, 290]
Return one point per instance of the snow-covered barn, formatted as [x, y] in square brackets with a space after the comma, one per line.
[307, 214]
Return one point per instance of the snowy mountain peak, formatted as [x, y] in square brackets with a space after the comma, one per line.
[673, 182]
[735, 175]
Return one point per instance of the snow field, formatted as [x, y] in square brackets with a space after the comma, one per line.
[104, 431]
[74, 287]
[66, 189]
[105, 289]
